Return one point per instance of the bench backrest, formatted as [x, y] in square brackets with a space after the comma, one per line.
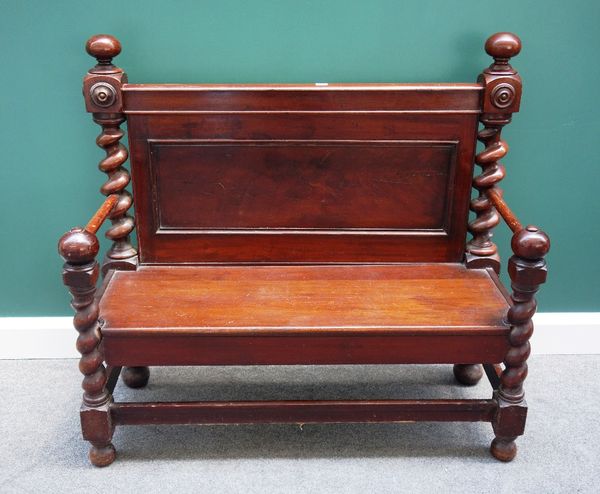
[369, 173]
[317, 173]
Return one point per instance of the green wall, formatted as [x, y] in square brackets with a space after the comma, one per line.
[48, 166]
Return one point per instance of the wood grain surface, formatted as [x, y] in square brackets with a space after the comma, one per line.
[256, 298]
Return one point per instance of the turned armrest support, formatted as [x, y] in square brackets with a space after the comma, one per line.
[103, 212]
[505, 212]
[528, 243]
[80, 245]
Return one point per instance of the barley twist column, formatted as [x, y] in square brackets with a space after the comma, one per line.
[118, 179]
[486, 218]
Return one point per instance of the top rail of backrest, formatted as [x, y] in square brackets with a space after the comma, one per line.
[318, 97]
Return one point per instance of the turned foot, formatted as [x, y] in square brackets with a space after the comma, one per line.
[504, 448]
[102, 455]
[135, 377]
[468, 374]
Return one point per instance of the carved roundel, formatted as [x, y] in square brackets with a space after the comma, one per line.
[103, 94]
[503, 95]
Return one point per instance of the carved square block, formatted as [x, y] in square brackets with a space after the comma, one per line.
[510, 418]
[102, 93]
[81, 276]
[502, 93]
[96, 423]
[527, 272]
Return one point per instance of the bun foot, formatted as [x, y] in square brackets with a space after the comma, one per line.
[135, 377]
[468, 374]
[102, 456]
[504, 448]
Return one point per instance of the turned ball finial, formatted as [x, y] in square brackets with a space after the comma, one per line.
[78, 246]
[530, 243]
[103, 47]
[503, 46]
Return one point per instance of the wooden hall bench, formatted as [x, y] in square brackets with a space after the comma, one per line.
[302, 224]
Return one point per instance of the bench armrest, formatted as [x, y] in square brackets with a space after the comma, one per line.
[100, 216]
[505, 212]
[80, 245]
[528, 242]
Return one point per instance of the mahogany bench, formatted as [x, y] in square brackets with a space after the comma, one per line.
[302, 224]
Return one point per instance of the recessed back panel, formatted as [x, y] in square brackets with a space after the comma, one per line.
[298, 174]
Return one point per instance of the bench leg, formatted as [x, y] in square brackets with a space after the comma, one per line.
[96, 421]
[135, 377]
[468, 374]
[80, 274]
[509, 422]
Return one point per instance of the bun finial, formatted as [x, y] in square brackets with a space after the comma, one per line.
[103, 47]
[78, 246]
[503, 46]
[530, 243]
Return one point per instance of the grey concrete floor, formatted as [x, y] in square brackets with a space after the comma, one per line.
[41, 449]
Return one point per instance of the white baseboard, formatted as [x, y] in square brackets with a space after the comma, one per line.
[37, 337]
[566, 333]
[54, 337]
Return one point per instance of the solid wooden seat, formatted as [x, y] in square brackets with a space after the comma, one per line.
[303, 224]
[410, 302]
[405, 297]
